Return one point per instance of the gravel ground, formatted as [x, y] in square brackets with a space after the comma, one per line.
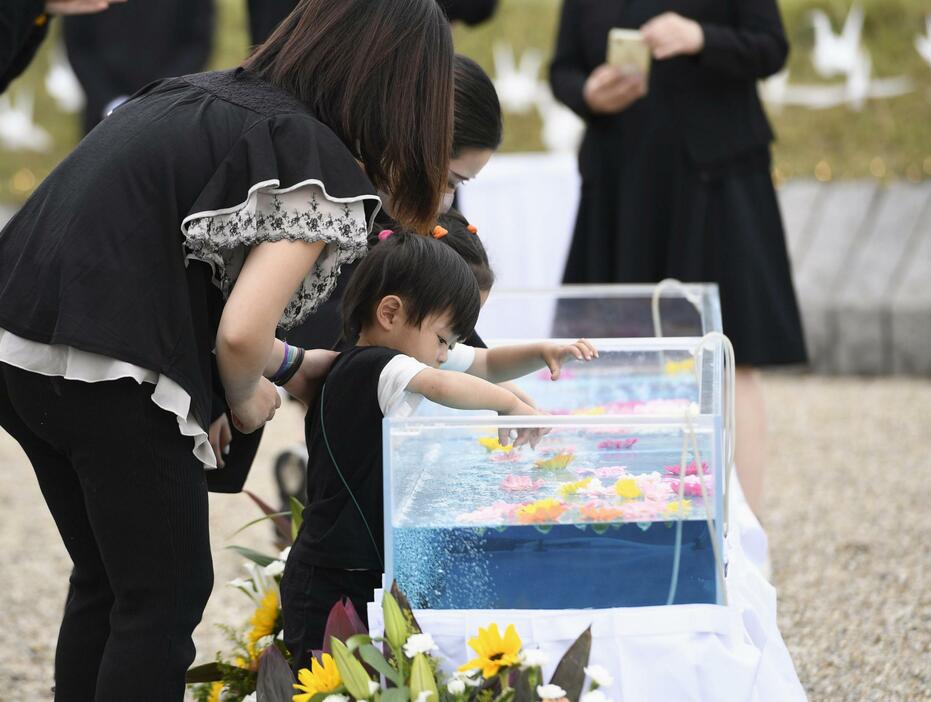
[848, 517]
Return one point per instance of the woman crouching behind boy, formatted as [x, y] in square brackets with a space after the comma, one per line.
[408, 303]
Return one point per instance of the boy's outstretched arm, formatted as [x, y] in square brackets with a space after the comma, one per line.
[462, 391]
[505, 363]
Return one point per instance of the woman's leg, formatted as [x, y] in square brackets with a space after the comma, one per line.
[145, 501]
[750, 456]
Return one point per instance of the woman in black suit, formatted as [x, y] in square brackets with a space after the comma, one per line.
[676, 173]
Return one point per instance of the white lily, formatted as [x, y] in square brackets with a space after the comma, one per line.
[600, 675]
[550, 692]
[533, 658]
[419, 643]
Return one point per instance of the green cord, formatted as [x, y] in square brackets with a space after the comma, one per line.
[345, 484]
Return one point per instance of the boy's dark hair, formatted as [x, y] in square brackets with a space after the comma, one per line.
[477, 110]
[430, 278]
[379, 73]
[465, 242]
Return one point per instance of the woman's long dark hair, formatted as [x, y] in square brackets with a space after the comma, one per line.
[379, 73]
[476, 108]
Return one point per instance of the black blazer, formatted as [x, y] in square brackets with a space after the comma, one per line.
[712, 97]
[20, 37]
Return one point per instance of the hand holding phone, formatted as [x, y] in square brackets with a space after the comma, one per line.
[628, 51]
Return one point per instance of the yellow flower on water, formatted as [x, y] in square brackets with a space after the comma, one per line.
[263, 621]
[215, 690]
[679, 507]
[676, 367]
[492, 444]
[590, 411]
[541, 511]
[319, 678]
[557, 462]
[567, 489]
[494, 652]
[627, 488]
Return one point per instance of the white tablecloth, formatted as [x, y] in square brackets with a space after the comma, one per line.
[686, 653]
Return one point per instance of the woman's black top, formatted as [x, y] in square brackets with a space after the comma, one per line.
[129, 248]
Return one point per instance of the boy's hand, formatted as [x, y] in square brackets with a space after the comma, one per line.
[525, 435]
[554, 355]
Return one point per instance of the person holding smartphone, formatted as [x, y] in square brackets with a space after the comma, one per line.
[675, 170]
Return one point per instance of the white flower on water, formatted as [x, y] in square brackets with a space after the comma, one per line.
[595, 696]
[533, 658]
[251, 697]
[419, 643]
[600, 676]
[274, 568]
[336, 698]
[550, 692]
[373, 687]
[456, 687]
[283, 556]
[422, 697]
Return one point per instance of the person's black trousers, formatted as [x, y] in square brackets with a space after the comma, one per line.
[130, 501]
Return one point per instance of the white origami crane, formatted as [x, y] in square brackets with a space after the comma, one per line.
[17, 129]
[517, 85]
[923, 42]
[562, 128]
[836, 54]
[62, 85]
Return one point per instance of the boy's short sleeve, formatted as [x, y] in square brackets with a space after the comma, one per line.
[460, 358]
[393, 381]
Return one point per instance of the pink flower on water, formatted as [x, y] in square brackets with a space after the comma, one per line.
[692, 486]
[653, 486]
[645, 511]
[521, 483]
[506, 457]
[617, 444]
[497, 512]
[690, 469]
[611, 471]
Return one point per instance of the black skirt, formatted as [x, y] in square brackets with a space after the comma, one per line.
[649, 212]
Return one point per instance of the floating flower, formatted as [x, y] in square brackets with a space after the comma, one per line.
[692, 486]
[568, 489]
[599, 675]
[521, 483]
[641, 511]
[677, 367]
[678, 507]
[533, 658]
[590, 411]
[321, 677]
[541, 511]
[550, 692]
[558, 462]
[600, 513]
[690, 469]
[492, 513]
[492, 444]
[627, 488]
[653, 486]
[606, 472]
[618, 444]
[508, 457]
[419, 643]
[263, 621]
[494, 651]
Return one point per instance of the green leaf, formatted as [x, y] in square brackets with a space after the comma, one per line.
[396, 629]
[524, 689]
[374, 658]
[208, 672]
[297, 517]
[351, 671]
[254, 556]
[422, 679]
[275, 681]
[396, 694]
[570, 673]
[281, 524]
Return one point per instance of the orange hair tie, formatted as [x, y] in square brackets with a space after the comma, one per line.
[439, 232]
[472, 228]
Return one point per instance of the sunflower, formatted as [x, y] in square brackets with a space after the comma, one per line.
[263, 621]
[493, 651]
[319, 678]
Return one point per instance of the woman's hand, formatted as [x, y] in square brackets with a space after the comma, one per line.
[610, 90]
[220, 436]
[555, 355]
[670, 34]
[78, 7]
[305, 384]
[257, 409]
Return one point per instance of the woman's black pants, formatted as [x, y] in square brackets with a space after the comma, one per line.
[130, 502]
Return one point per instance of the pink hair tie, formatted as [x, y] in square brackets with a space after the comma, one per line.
[384, 234]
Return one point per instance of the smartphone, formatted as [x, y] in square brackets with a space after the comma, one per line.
[628, 51]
